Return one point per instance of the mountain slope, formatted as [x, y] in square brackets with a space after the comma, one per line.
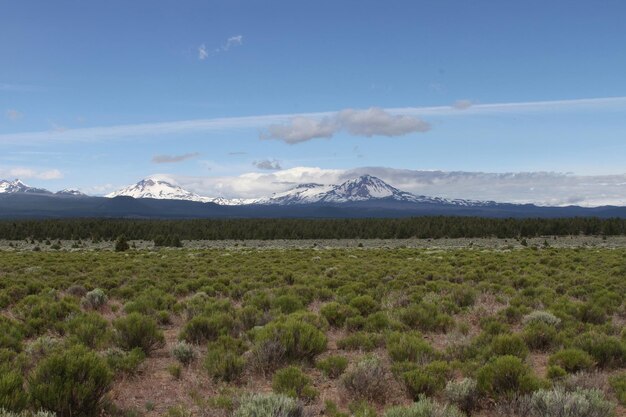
[17, 186]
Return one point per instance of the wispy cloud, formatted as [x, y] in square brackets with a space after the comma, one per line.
[202, 52]
[267, 164]
[237, 153]
[231, 42]
[262, 122]
[168, 159]
[236, 40]
[13, 114]
[30, 173]
[370, 122]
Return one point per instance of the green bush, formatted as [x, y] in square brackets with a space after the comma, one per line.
[201, 329]
[506, 344]
[293, 382]
[70, 383]
[367, 380]
[544, 317]
[12, 394]
[618, 383]
[223, 361]
[40, 413]
[90, 329]
[300, 340]
[138, 331]
[336, 314]
[361, 341]
[425, 317]
[607, 351]
[409, 346]
[11, 334]
[540, 336]
[365, 304]
[572, 360]
[41, 313]
[506, 376]
[555, 372]
[332, 366]
[268, 405]
[287, 304]
[427, 380]
[121, 244]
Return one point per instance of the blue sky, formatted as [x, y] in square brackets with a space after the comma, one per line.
[94, 94]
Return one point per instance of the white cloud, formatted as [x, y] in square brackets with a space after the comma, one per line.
[369, 122]
[462, 104]
[236, 40]
[262, 122]
[378, 122]
[202, 52]
[30, 173]
[168, 159]
[267, 164]
[301, 129]
[542, 188]
[13, 114]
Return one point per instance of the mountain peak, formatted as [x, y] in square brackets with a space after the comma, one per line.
[17, 186]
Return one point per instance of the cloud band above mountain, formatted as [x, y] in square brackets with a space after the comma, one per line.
[370, 122]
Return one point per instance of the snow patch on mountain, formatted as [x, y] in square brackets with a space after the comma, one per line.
[17, 186]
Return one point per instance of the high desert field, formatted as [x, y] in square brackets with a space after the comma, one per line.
[505, 330]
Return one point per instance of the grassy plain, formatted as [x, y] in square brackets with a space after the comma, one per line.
[482, 327]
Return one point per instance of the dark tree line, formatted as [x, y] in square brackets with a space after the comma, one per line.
[421, 227]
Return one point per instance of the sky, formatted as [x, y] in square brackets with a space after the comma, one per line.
[507, 101]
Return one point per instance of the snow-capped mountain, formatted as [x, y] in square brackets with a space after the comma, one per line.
[363, 188]
[71, 192]
[17, 186]
[163, 190]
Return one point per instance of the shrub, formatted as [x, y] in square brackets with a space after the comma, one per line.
[506, 344]
[361, 341]
[300, 340]
[607, 351]
[274, 405]
[425, 317]
[175, 370]
[124, 362]
[336, 314]
[424, 408]
[555, 372]
[89, 329]
[184, 353]
[201, 329]
[267, 355]
[293, 382]
[10, 334]
[580, 403]
[463, 394]
[138, 331]
[591, 313]
[367, 380]
[365, 304]
[70, 383]
[223, 361]
[541, 317]
[463, 296]
[40, 413]
[505, 376]
[121, 244]
[618, 383]
[332, 366]
[409, 346]
[427, 380]
[287, 304]
[572, 360]
[44, 312]
[12, 395]
[540, 336]
[94, 299]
